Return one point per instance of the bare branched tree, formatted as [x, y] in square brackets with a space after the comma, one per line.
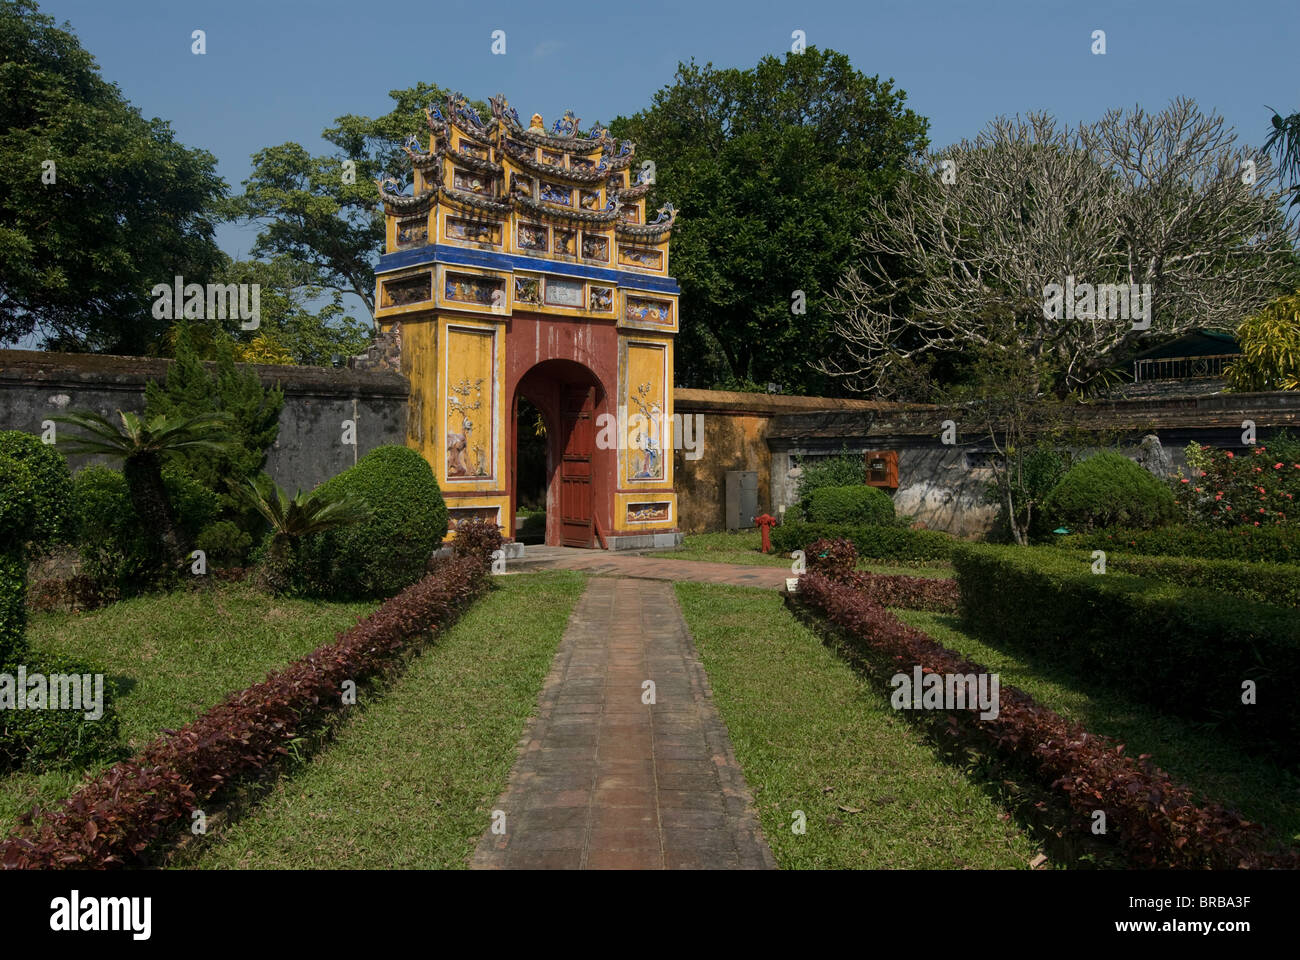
[963, 260]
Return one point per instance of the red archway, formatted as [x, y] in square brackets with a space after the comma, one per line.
[570, 398]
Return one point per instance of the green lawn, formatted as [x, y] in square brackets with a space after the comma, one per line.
[745, 547]
[410, 780]
[1191, 753]
[739, 546]
[174, 655]
[811, 735]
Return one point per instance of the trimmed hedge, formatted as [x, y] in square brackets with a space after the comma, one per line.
[1251, 544]
[858, 505]
[116, 816]
[13, 606]
[1275, 583]
[379, 556]
[1181, 648]
[1156, 822]
[1109, 489]
[898, 544]
[57, 739]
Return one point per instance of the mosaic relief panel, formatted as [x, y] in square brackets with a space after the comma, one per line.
[595, 248]
[473, 150]
[589, 199]
[458, 515]
[631, 213]
[564, 241]
[648, 311]
[472, 182]
[649, 512]
[554, 193]
[551, 158]
[458, 229]
[471, 363]
[601, 299]
[528, 290]
[641, 257]
[413, 232]
[468, 288]
[582, 163]
[564, 293]
[417, 289]
[644, 448]
[531, 237]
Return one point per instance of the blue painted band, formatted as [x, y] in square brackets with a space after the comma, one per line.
[462, 256]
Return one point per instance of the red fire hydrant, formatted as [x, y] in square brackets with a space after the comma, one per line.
[765, 523]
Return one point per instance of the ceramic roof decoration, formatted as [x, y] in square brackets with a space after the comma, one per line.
[496, 166]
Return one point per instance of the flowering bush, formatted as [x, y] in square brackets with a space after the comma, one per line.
[1257, 487]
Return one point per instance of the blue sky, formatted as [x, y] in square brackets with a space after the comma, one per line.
[279, 70]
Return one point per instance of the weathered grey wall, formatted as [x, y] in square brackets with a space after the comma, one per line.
[943, 486]
[35, 386]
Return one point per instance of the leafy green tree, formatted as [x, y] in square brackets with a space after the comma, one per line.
[311, 213]
[142, 445]
[229, 390]
[294, 518]
[1270, 348]
[771, 169]
[98, 204]
[309, 324]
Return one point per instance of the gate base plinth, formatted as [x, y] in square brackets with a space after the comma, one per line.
[645, 541]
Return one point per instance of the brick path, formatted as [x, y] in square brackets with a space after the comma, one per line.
[607, 563]
[605, 781]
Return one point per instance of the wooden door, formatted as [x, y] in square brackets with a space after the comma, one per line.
[578, 437]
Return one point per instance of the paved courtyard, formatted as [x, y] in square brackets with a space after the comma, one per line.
[605, 780]
[610, 563]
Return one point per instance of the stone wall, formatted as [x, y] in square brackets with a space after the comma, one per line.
[943, 486]
[35, 386]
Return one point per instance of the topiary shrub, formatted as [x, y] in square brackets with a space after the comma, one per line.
[843, 470]
[52, 520]
[1109, 489]
[389, 551]
[854, 506]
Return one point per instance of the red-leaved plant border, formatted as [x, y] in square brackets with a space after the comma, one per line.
[118, 814]
[1156, 821]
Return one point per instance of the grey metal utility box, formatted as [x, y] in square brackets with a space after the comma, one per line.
[742, 499]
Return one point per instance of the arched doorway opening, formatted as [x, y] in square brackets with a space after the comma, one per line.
[568, 397]
[531, 474]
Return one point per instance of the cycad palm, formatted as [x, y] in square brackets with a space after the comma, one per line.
[296, 517]
[142, 445]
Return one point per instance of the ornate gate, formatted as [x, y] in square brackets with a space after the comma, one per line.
[515, 248]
